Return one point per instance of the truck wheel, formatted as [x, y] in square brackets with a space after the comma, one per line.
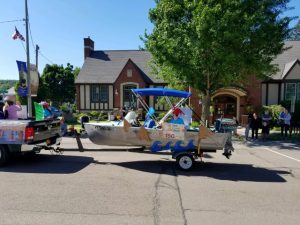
[4, 155]
[185, 161]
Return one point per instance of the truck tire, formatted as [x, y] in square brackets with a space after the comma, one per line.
[4, 155]
[185, 161]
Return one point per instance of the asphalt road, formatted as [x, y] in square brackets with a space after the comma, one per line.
[260, 184]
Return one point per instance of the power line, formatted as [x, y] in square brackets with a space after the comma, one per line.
[46, 57]
[33, 45]
[23, 46]
[10, 21]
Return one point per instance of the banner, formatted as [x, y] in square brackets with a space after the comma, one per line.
[173, 131]
[23, 84]
[34, 80]
[22, 89]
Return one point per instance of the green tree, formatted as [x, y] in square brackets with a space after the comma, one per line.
[295, 32]
[6, 84]
[57, 84]
[215, 43]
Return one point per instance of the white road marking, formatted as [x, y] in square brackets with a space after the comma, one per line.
[282, 154]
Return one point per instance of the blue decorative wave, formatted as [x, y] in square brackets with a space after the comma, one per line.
[173, 146]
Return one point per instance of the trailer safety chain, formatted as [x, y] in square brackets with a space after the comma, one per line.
[57, 150]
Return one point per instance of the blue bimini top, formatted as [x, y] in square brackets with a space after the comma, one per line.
[161, 92]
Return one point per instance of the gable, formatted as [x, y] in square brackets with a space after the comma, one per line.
[105, 66]
[286, 59]
[294, 73]
[131, 73]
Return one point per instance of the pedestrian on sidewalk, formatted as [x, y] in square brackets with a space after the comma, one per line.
[286, 122]
[266, 121]
[248, 126]
[255, 125]
[281, 120]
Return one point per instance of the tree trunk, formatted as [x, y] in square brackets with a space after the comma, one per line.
[205, 109]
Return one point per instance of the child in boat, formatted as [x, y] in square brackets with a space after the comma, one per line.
[149, 122]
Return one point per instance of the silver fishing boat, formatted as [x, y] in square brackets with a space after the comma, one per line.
[184, 142]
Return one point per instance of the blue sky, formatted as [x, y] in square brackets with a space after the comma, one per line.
[59, 26]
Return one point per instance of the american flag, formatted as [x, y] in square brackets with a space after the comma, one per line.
[17, 34]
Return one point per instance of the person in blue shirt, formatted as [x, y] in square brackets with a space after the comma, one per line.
[63, 127]
[149, 122]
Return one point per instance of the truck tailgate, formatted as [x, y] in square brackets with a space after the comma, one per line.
[45, 129]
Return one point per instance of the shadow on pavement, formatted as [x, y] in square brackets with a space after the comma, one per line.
[40, 163]
[220, 171]
[278, 144]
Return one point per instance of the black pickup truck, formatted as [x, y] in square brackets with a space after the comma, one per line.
[21, 136]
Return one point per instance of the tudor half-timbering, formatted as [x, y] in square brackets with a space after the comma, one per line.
[285, 84]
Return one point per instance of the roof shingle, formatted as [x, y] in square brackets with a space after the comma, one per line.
[105, 66]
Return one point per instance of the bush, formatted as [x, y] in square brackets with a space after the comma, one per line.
[274, 111]
[94, 115]
[160, 116]
[195, 124]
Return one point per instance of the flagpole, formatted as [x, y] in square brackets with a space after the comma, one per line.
[29, 103]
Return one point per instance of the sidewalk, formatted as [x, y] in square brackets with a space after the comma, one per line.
[274, 140]
[241, 133]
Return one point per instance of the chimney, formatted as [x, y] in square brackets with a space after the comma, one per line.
[88, 46]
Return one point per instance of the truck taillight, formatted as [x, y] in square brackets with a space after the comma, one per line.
[29, 132]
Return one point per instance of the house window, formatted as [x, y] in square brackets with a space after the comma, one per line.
[95, 93]
[291, 90]
[104, 93]
[129, 73]
[99, 93]
[298, 92]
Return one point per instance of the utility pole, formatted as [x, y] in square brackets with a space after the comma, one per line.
[37, 48]
[29, 103]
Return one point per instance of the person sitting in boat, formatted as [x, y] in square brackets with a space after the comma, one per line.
[132, 118]
[176, 119]
[149, 121]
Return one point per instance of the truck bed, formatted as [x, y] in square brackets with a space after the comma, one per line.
[28, 131]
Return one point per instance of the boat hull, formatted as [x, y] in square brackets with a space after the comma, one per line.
[113, 134]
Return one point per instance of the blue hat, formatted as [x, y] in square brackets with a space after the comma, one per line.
[150, 112]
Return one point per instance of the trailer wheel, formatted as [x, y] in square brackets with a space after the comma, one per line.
[4, 155]
[185, 161]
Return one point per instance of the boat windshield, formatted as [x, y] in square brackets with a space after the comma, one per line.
[141, 92]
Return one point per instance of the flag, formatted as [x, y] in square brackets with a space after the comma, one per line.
[17, 35]
[39, 111]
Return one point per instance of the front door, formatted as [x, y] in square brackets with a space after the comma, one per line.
[225, 106]
[129, 99]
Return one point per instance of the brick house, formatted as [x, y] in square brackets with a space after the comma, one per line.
[106, 78]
